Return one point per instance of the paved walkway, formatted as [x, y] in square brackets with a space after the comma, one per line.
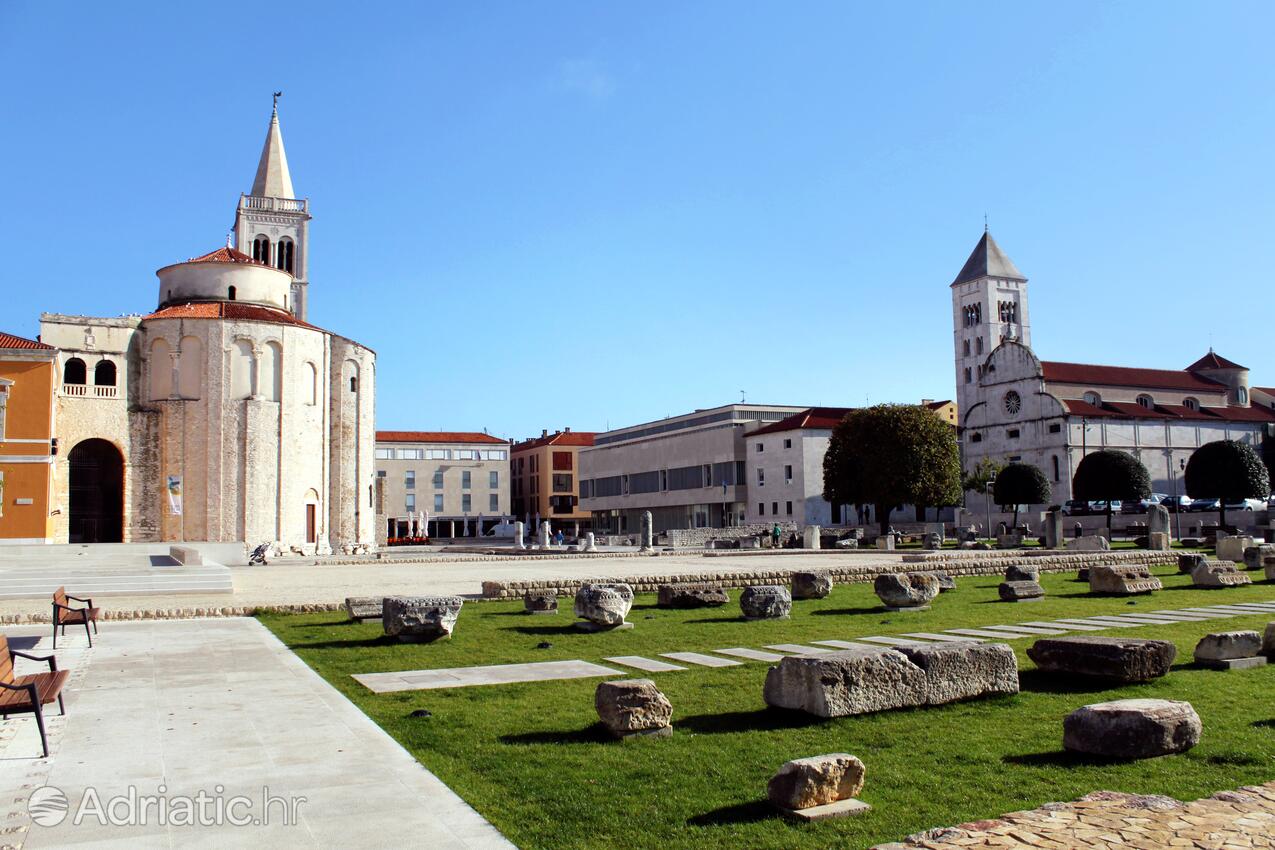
[1106, 820]
[306, 583]
[219, 706]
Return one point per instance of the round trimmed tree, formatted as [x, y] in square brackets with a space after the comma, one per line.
[1226, 470]
[1109, 476]
[891, 455]
[1020, 484]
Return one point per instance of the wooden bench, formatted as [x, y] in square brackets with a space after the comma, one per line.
[64, 615]
[21, 694]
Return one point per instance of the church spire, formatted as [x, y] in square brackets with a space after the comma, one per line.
[987, 260]
[273, 179]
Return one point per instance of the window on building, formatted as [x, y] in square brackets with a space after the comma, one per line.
[788, 473]
[788, 508]
[1055, 427]
[1241, 395]
[439, 454]
[761, 447]
[75, 372]
[1191, 403]
[976, 437]
[409, 454]
[562, 482]
[706, 472]
[465, 478]
[1012, 433]
[761, 509]
[438, 503]
[438, 479]
[493, 480]
[411, 502]
[354, 384]
[969, 376]
[384, 454]
[1093, 398]
[1146, 401]
[284, 258]
[965, 348]
[380, 473]
[663, 480]
[761, 477]
[261, 249]
[231, 294]
[493, 503]
[4, 402]
[1056, 469]
[978, 345]
[774, 509]
[788, 443]
[104, 373]
[466, 503]
[409, 479]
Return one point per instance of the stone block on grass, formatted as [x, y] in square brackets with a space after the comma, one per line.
[965, 670]
[1122, 579]
[1259, 557]
[816, 781]
[1188, 561]
[1022, 572]
[1235, 650]
[811, 585]
[1218, 574]
[540, 602]
[1020, 591]
[691, 595]
[604, 605]
[630, 707]
[1118, 659]
[416, 619]
[1132, 728]
[765, 602]
[900, 591]
[364, 607]
[840, 684]
[1231, 547]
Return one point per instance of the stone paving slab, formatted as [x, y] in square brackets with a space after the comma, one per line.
[650, 665]
[751, 654]
[1105, 820]
[1171, 617]
[1132, 620]
[1118, 624]
[985, 633]
[701, 659]
[942, 638]
[798, 649]
[1031, 630]
[1071, 627]
[496, 674]
[843, 644]
[895, 641]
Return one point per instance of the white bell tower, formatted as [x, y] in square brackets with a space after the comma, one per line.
[272, 225]
[989, 306]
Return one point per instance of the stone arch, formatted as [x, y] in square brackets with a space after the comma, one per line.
[75, 372]
[96, 492]
[311, 389]
[272, 371]
[161, 366]
[104, 373]
[243, 370]
[190, 368]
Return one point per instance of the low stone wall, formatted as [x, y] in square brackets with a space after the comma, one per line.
[1119, 556]
[841, 573]
[528, 555]
[693, 538]
[106, 614]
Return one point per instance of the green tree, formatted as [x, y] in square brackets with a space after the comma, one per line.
[1109, 475]
[1228, 471]
[891, 455]
[985, 470]
[1020, 484]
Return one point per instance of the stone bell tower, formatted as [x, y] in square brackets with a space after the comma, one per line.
[272, 225]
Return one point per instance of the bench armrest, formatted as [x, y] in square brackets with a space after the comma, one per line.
[80, 599]
[30, 689]
[53, 662]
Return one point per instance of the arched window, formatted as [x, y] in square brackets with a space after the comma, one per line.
[272, 372]
[1094, 399]
[976, 437]
[104, 374]
[1241, 395]
[312, 377]
[243, 370]
[230, 293]
[190, 367]
[1056, 469]
[284, 254]
[1191, 403]
[75, 372]
[161, 366]
[1146, 401]
[261, 249]
[354, 384]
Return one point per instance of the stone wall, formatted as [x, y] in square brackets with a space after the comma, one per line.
[695, 538]
[841, 574]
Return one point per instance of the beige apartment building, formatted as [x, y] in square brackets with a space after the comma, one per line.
[449, 483]
[545, 480]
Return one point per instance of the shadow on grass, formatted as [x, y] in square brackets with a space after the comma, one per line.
[1063, 758]
[750, 812]
[1040, 682]
[760, 720]
[594, 734]
[725, 619]
[379, 640]
[568, 629]
[1264, 724]
[824, 612]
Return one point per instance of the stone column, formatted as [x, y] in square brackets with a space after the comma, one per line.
[519, 531]
[648, 534]
[810, 537]
[1053, 530]
[589, 545]
[544, 534]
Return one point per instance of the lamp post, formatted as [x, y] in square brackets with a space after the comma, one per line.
[1177, 498]
[987, 491]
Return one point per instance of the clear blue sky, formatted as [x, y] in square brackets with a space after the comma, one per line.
[573, 214]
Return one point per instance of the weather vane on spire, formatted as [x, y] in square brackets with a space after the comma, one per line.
[985, 223]
[277, 95]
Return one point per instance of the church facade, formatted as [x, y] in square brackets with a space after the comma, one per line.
[222, 414]
[1016, 407]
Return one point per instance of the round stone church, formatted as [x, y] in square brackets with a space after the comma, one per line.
[223, 415]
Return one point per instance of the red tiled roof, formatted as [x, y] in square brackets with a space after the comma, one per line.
[814, 418]
[226, 254]
[229, 310]
[562, 438]
[1124, 376]
[935, 405]
[436, 437]
[11, 341]
[1212, 361]
[1267, 390]
[1128, 410]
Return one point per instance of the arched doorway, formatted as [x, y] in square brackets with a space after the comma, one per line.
[97, 493]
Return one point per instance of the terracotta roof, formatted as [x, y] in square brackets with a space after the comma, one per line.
[1267, 390]
[229, 310]
[11, 341]
[814, 418]
[1212, 361]
[935, 405]
[562, 438]
[226, 254]
[1124, 376]
[1126, 410]
[436, 437]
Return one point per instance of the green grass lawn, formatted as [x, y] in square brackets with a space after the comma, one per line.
[532, 760]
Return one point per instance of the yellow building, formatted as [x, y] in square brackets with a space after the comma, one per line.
[27, 386]
[545, 480]
[945, 410]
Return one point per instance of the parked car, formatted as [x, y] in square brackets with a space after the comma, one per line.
[1143, 505]
[1177, 504]
[1076, 507]
[1246, 505]
[1101, 507]
[1205, 504]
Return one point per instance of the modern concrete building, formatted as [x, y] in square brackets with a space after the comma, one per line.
[544, 476]
[1016, 407]
[689, 471]
[453, 484]
[28, 386]
[219, 416]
